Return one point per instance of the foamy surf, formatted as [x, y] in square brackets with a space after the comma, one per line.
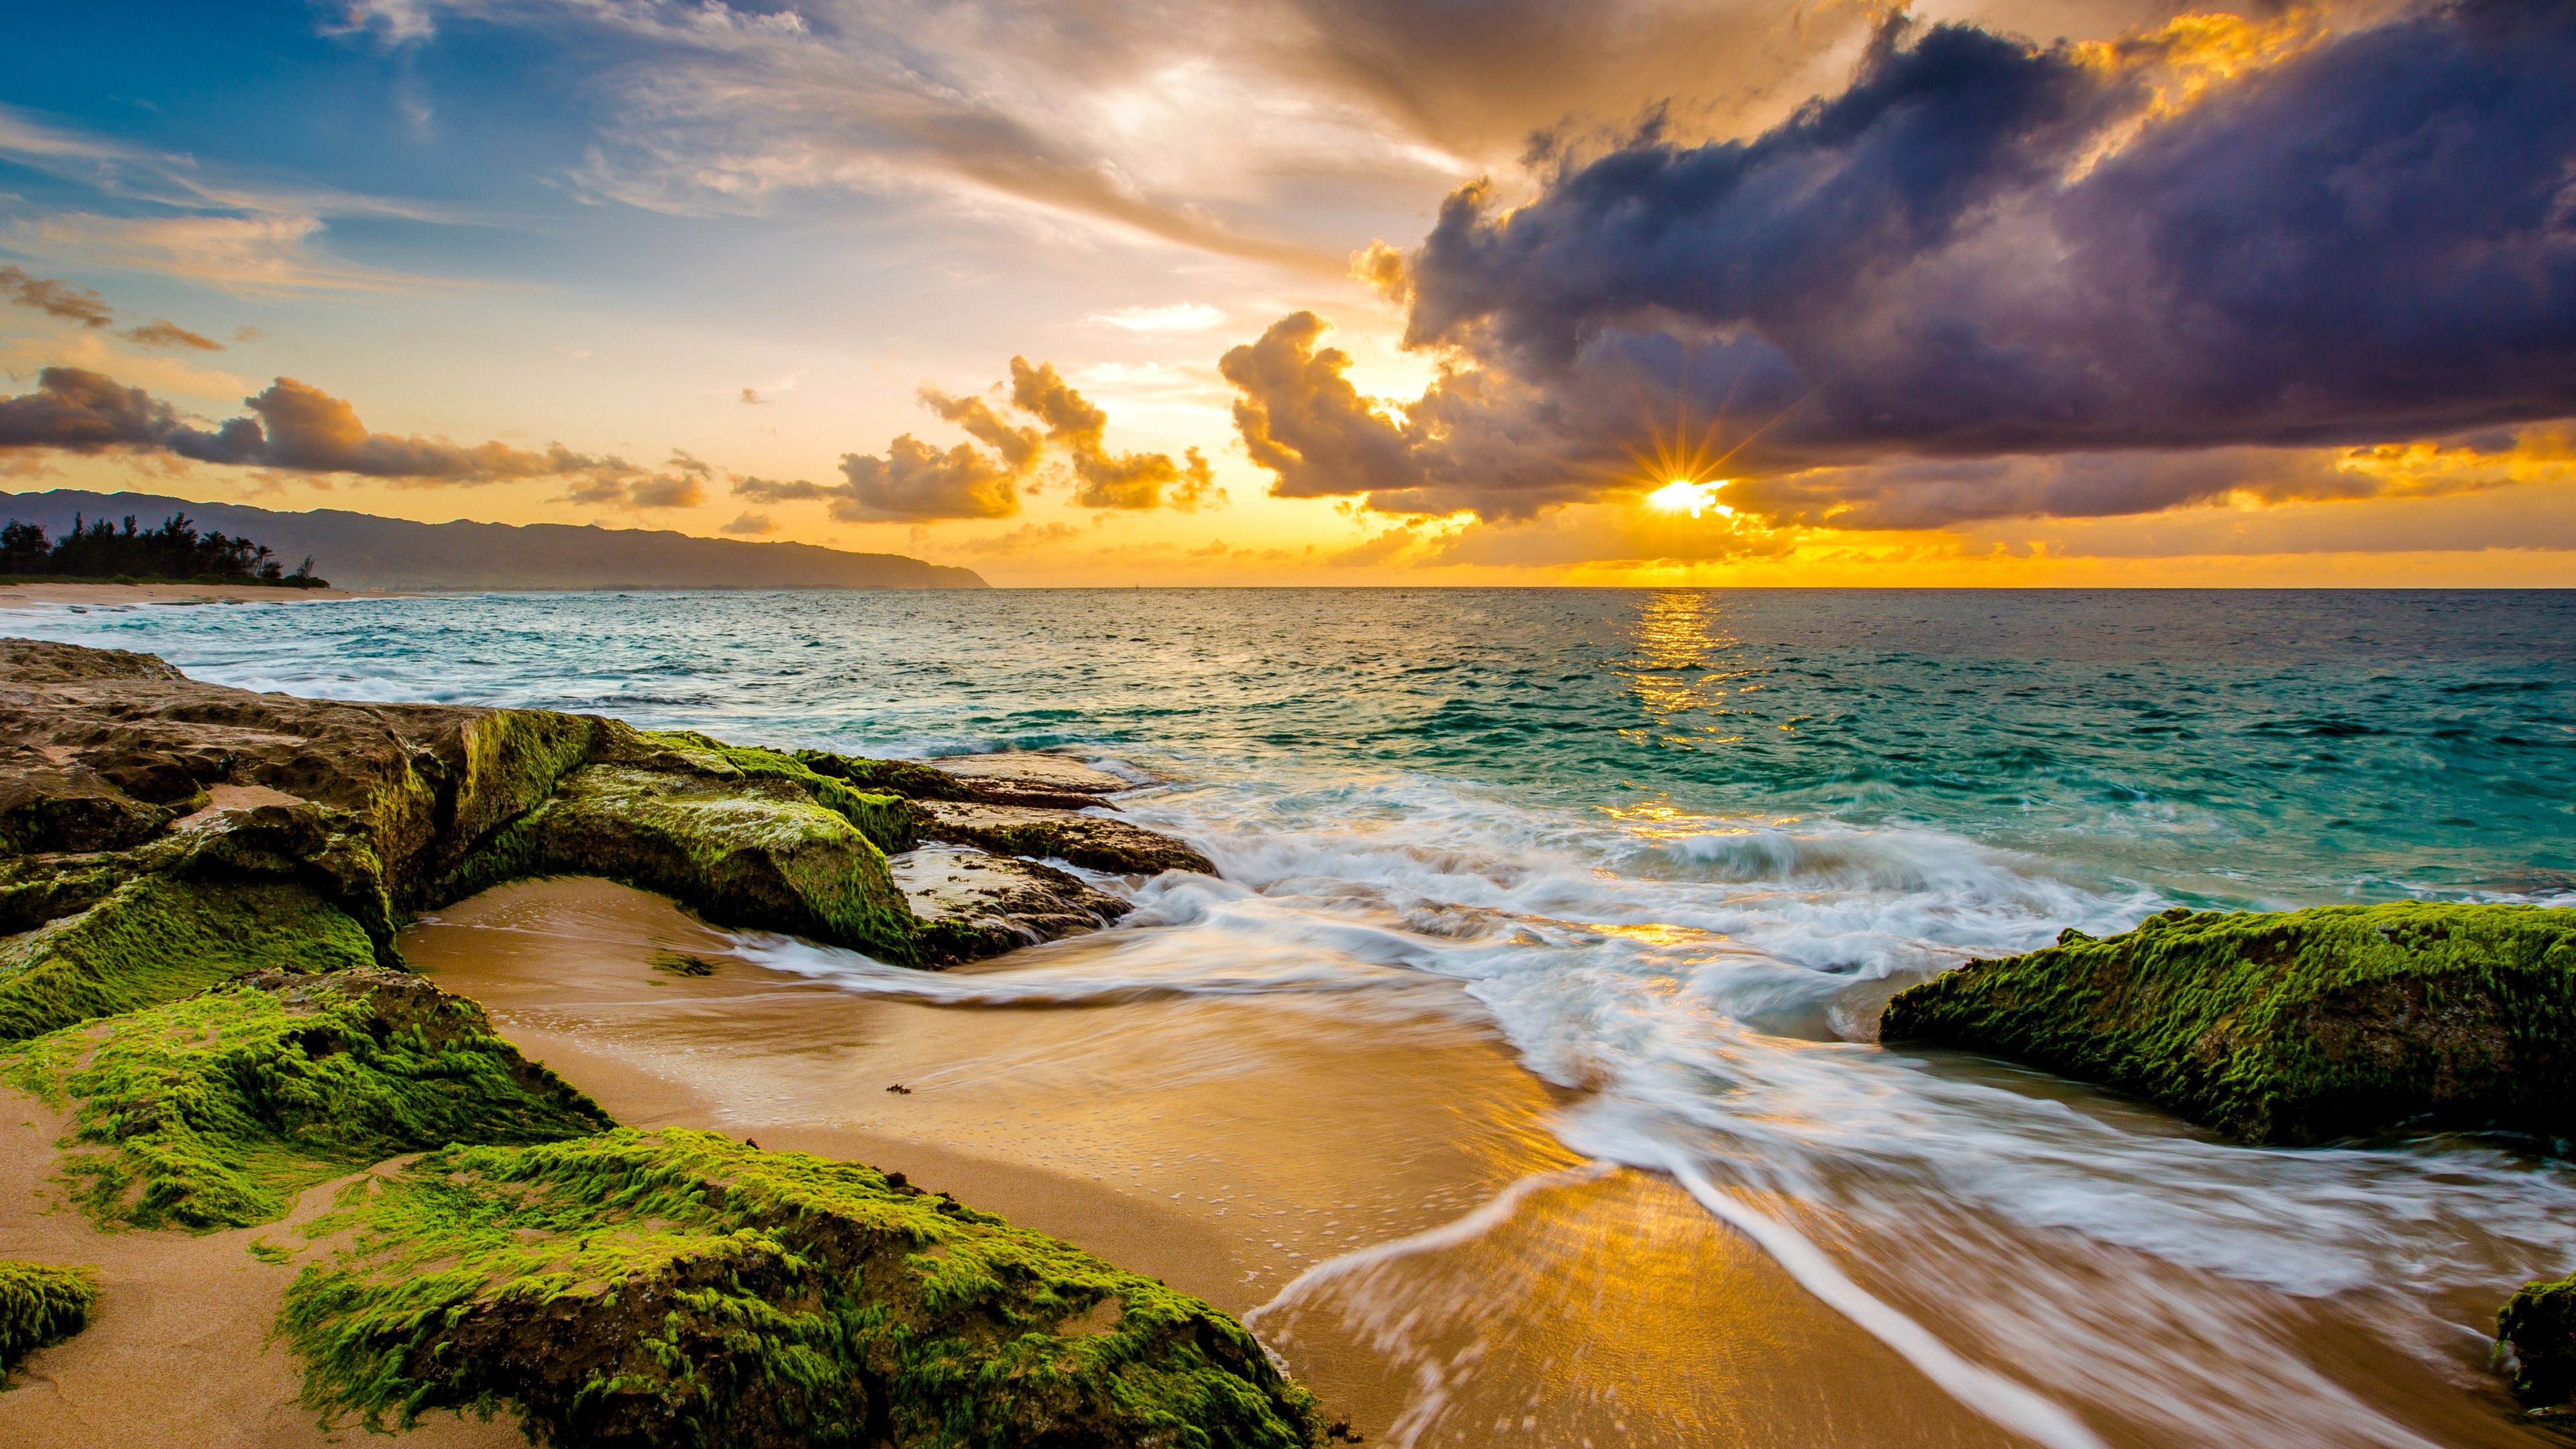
[1656, 963]
[1681, 971]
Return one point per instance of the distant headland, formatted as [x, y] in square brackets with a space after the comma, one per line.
[362, 551]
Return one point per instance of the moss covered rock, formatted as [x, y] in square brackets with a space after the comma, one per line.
[48, 888]
[159, 937]
[679, 1288]
[908, 778]
[215, 1111]
[2293, 1027]
[887, 819]
[746, 852]
[2536, 1339]
[41, 1304]
[46, 807]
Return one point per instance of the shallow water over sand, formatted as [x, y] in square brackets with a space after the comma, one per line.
[1526, 1016]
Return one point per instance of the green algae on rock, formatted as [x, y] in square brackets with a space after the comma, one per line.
[2293, 1027]
[907, 778]
[680, 1288]
[156, 938]
[753, 852]
[885, 818]
[41, 1304]
[215, 1111]
[2536, 1340]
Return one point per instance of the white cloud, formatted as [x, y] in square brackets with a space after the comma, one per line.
[277, 255]
[1177, 317]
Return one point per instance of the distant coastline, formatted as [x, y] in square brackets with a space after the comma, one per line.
[362, 552]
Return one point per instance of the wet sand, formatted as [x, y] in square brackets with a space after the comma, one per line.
[1227, 1146]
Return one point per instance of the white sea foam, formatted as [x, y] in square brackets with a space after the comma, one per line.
[1686, 970]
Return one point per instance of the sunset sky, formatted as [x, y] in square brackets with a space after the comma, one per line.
[1324, 291]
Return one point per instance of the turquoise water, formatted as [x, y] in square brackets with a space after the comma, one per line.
[2235, 748]
[1675, 845]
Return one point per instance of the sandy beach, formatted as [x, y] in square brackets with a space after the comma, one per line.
[104, 596]
[1226, 1147]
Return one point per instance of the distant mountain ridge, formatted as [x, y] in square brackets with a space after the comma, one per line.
[362, 551]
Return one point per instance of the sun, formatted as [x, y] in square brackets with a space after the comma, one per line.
[1684, 496]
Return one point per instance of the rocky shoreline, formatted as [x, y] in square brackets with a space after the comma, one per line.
[2303, 1027]
[199, 890]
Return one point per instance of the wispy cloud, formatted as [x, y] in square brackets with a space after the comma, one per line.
[1205, 135]
[163, 333]
[258, 256]
[165, 213]
[1177, 317]
[1026, 539]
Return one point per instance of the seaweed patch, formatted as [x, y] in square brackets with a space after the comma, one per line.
[213, 1112]
[2291, 1027]
[678, 1287]
[41, 1304]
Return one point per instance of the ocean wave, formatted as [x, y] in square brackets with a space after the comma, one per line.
[1683, 974]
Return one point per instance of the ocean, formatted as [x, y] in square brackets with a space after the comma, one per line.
[1676, 846]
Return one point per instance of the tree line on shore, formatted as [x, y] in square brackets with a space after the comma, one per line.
[172, 553]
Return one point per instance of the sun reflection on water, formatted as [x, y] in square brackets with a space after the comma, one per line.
[1687, 665]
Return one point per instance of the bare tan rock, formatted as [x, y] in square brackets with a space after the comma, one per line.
[1034, 778]
[982, 904]
[1090, 841]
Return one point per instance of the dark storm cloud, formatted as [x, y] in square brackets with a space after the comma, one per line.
[1481, 440]
[1912, 493]
[300, 428]
[1986, 248]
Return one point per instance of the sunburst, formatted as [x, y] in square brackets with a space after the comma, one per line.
[1684, 496]
[1681, 469]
